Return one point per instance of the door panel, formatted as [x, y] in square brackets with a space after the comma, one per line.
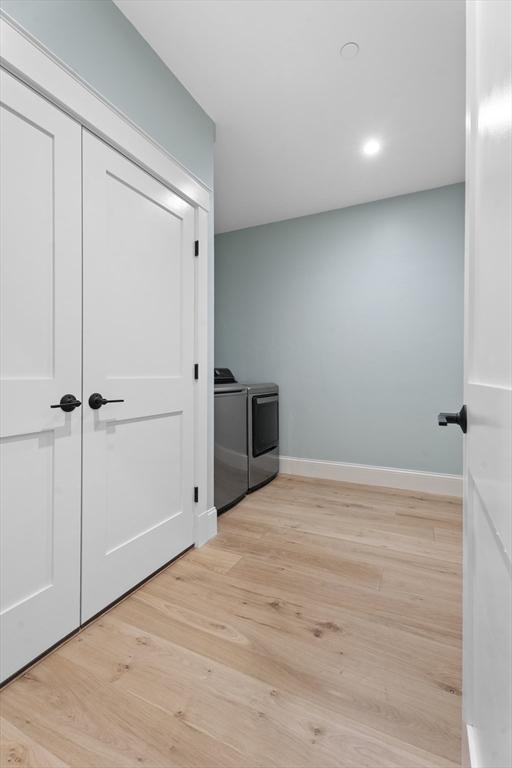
[145, 292]
[40, 336]
[27, 342]
[127, 494]
[492, 641]
[138, 347]
[27, 456]
[488, 386]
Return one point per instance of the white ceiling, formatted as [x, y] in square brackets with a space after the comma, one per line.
[291, 114]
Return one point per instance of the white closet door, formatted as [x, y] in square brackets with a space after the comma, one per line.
[138, 347]
[40, 356]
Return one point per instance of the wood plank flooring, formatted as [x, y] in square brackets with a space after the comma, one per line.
[321, 628]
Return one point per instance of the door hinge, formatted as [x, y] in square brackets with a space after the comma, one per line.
[196, 371]
[196, 248]
[196, 494]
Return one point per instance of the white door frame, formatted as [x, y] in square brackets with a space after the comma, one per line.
[26, 58]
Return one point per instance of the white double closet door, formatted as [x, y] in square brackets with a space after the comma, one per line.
[97, 298]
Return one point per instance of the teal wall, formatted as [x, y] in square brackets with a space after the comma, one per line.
[358, 315]
[98, 42]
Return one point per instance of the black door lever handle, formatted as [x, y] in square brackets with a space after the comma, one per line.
[96, 401]
[68, 403]
[460, 418]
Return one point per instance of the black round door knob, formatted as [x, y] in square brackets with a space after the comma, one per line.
[96, 401]
[68, 403]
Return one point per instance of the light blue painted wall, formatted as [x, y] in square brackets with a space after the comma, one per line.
[98, 42]
[358, 315]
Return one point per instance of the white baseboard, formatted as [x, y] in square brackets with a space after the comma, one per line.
[206, 526]
[388, 477]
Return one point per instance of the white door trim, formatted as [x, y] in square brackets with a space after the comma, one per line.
[205, 524]
[26, 58]
[385, 477]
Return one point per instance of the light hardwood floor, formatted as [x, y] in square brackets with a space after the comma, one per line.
[320, 628]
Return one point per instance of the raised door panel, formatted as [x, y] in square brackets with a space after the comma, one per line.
[138, 348]
[27, 327]
[40, 360]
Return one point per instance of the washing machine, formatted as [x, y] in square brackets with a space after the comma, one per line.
[230, 440]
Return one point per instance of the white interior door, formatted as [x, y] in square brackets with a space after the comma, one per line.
[488, 387]
[40, 338]
[138, 486]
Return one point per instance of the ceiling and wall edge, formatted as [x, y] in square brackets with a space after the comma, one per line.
[341, 208]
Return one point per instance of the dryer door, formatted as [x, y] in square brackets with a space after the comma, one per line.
[265, 424]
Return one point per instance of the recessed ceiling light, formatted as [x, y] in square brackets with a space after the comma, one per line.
[371, 147]
[349, 50]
